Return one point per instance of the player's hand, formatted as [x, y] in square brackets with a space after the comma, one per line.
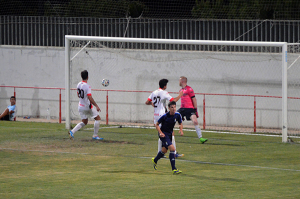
[180, 93]
[98, 109]
[196, 112]
[181, 133]
[161, 135]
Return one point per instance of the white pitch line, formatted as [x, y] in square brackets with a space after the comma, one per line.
[220, 132]
[193, 161]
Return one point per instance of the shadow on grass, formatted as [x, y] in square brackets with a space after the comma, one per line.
[169, 173]
[211, 143]
[212, 178]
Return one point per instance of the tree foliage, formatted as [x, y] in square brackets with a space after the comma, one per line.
[189, 9]
[246, 9]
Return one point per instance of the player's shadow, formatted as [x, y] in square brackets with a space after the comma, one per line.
[4, 99]
[35, 105]
[182, 174]
[210, 143]
[212, 178]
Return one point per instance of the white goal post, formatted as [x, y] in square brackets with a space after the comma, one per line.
[281, 45]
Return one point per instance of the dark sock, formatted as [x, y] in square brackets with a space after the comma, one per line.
[172, 159]
[159, 155]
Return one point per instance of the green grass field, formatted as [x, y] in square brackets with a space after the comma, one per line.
[38, 160]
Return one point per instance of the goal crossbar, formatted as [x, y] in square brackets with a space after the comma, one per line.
[283, 46]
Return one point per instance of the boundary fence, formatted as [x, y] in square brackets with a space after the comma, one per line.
[51, 31]
[107, 91]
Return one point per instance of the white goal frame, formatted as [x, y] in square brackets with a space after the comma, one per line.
[283, 46]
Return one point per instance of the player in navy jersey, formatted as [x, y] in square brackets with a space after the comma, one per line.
[158, 99]
[168, 122]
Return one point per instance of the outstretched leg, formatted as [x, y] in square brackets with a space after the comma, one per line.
[5, 112]
[198, 130]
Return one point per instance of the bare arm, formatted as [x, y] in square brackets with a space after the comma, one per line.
[178, 97]
[194, 102]
[159, 130]
[149, 103]
[93, 102]
[180, 129]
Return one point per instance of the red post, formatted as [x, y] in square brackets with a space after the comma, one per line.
[203, 111]
[106, 107]
[254, 115]
[15, 96]
[59, 105]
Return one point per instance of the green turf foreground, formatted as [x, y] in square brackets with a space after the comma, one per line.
[38, 160]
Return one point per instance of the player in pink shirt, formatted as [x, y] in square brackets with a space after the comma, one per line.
[188, 108]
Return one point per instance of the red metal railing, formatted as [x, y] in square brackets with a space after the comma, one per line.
[49, 88]
[107, 103]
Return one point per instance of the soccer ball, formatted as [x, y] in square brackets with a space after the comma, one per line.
[105, 82]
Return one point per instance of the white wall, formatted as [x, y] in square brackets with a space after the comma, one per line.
[140, 70]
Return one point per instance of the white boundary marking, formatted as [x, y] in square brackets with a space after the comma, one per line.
[221, 132]
[181, 160]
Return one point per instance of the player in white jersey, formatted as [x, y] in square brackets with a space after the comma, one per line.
[158, 100]
[85, 107]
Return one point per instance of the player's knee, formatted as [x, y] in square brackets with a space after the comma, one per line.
[171, 148]
[97, 118]
[194, 119]
[164, 150]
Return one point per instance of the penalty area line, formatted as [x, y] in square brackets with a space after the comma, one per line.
[220, 132]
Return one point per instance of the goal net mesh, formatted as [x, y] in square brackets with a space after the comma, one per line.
[237, 88]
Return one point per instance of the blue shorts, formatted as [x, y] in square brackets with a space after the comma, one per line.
[186, 112]
[166, 141]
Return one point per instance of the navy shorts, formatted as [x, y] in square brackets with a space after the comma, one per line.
[6, 117]
[186, 112]
[166, 141]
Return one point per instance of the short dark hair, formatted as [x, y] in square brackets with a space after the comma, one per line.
[13, 97]
[171, 103]
[163, 83]
[84, 74]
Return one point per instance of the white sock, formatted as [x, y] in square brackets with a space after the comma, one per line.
[159, 145]
[198, 131]
[96, 127]
[174, 143]
[77, 127]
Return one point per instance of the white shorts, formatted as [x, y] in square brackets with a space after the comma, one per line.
[156, 118]
[86, 113]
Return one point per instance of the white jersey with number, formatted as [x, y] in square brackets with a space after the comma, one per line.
[158, 98]
[83, 91]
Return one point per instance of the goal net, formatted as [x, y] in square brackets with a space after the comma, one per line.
[239, 86]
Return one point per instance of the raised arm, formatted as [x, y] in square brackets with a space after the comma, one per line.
[178, 97]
